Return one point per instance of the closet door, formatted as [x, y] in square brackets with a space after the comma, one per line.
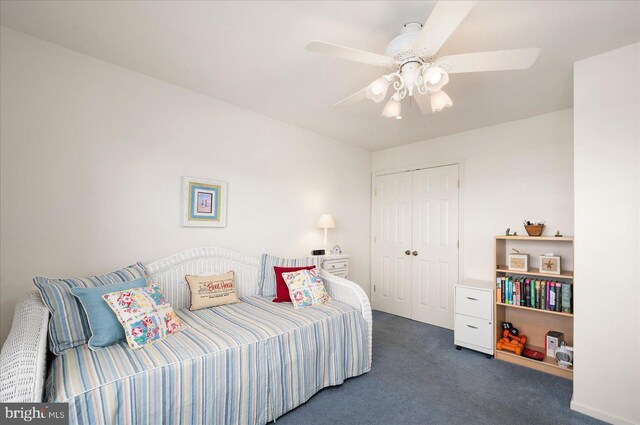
[434, 244]
[391, 248]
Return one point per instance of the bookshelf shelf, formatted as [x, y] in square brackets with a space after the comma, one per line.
[566, 274]
[533, 322]
[537, 310]
[537, 238]
[548, 365]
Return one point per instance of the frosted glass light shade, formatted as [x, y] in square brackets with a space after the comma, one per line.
[377, 90]
[435, 78]
[392, 108]
[326, 222]
[440, 100]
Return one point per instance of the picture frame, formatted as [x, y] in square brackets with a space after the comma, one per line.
[204, 202]
[550, 264]
[519, 262]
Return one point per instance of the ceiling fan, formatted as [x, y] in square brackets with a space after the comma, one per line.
[418, 70]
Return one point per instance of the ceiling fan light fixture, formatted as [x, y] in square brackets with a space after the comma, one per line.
[393, 107]
[435, 78]
[377, 90]
[440, 100]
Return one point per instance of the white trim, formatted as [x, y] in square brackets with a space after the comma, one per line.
[433, 164]
[600, 414]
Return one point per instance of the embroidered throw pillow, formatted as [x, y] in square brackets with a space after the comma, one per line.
[282, 290]
[105, 327]
[306, 288]
[143, 314]
[68, 326]
[211, 290]
[267, 281]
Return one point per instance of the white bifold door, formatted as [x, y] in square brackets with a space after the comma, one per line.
[415, 244]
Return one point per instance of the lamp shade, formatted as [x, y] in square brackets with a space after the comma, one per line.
[393, 107]
[377, 90]
[326, 222]
[440, 100]
[435, 78]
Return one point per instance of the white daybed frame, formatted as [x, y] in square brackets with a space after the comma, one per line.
[23, 360]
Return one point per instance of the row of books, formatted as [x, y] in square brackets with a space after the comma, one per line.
[535, 293]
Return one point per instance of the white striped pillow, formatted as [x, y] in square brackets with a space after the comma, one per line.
[267, 282]
[68, 326]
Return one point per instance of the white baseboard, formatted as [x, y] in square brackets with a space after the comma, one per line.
[600, 414]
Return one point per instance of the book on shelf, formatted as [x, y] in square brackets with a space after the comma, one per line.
[535, 293]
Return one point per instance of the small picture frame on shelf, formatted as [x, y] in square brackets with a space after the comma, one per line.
[550, 264]
[519, 262]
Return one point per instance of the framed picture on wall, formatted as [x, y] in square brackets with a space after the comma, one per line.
[204, 202]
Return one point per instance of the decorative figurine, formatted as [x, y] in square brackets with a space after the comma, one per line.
[558, 235]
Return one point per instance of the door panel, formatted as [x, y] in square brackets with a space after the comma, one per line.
[391, 267]
[416, 211]
[435, 239]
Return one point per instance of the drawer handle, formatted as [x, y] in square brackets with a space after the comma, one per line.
[472, 299]
[472, 327]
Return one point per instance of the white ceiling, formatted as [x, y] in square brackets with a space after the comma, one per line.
[251, 54]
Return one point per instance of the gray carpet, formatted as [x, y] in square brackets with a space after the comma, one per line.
[418, 377]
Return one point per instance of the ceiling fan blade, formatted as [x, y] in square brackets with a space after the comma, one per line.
[424, 102]
[442, 22]
[348, 53]
[498, 60]
[351, 100]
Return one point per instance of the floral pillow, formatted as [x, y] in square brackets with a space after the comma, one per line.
[144, 315]
[306, 288]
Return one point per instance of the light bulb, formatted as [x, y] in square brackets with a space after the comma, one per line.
[392, 108]
[435, 78]
[377, 90]
[440, 100]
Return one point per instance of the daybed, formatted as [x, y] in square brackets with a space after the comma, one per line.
[244, 363]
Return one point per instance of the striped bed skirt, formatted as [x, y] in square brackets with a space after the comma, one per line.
[244, 363]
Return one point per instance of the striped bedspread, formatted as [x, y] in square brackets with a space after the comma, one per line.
[244, 363]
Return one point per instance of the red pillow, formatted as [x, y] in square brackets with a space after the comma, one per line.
[282, 290]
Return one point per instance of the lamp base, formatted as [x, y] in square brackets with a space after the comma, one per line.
[318, 252]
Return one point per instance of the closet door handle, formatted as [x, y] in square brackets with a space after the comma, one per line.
[415, 253]
[472, 327]
[407, 252]
[472, 299]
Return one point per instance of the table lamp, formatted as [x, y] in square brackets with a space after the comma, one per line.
[326, 222]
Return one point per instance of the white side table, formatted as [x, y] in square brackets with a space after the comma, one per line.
[337, 265]
[473, 323]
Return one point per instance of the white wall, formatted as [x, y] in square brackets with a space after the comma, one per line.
[91, 162]
[512, 172]
[607, 220]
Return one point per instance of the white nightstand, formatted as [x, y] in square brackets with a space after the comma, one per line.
[473, 323]
[337, 265]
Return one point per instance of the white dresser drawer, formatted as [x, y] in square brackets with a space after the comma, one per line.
[340, 273]
[474, 331]
[474, 302]
[335, 264]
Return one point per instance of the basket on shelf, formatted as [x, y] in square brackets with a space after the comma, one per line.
[534, 229]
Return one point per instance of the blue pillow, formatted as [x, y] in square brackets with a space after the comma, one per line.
[68, 326]
[105, 327]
